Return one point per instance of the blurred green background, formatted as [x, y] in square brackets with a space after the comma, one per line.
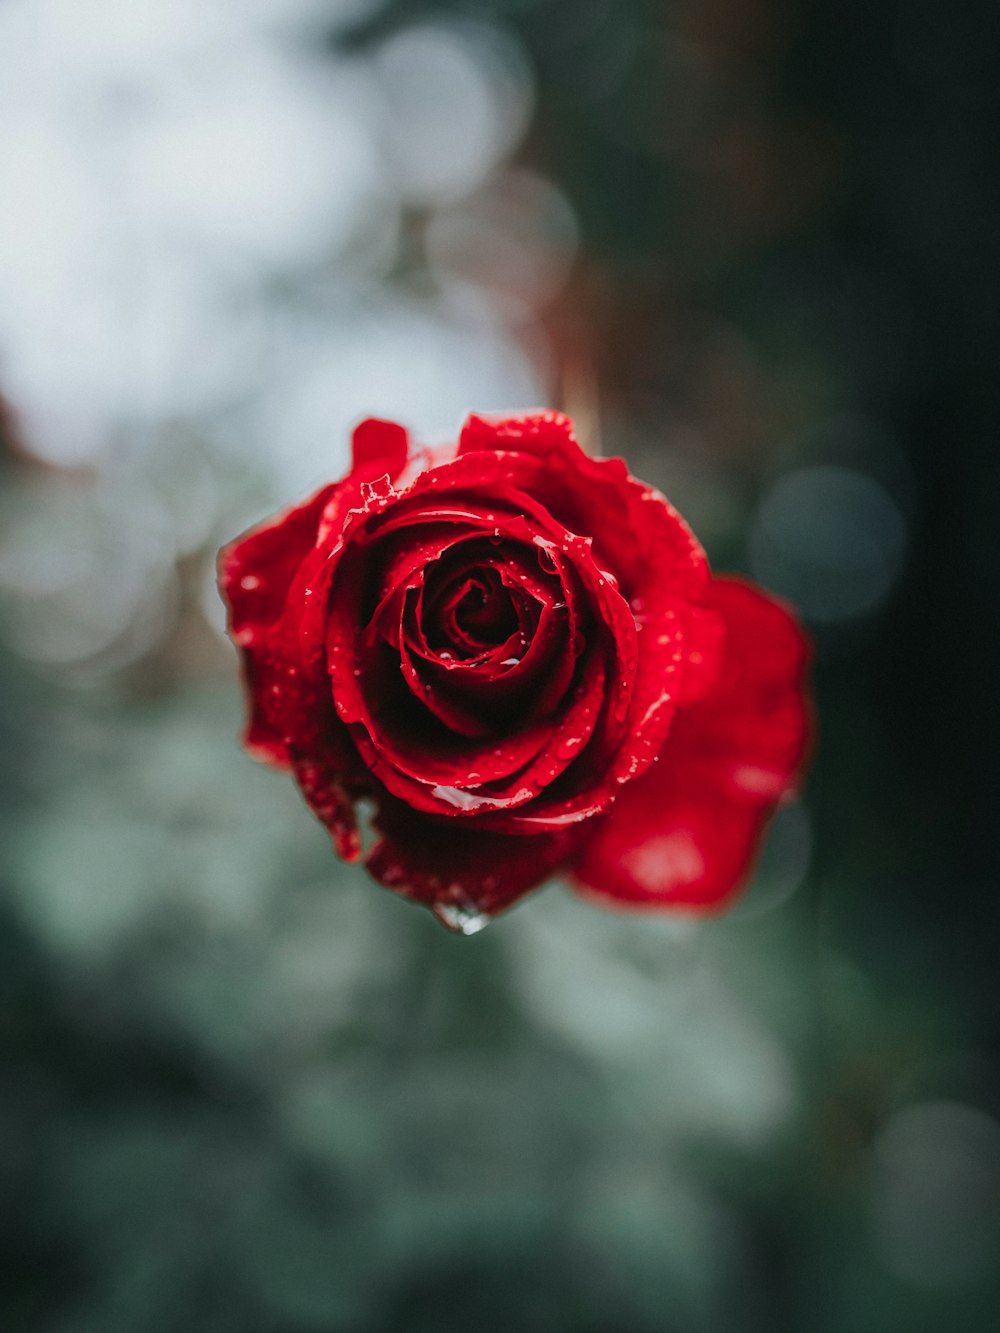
[754, 248]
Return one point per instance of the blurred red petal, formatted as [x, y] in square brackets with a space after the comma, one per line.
[379, 448]
[686, 833]
[255, 574]
[443, 865]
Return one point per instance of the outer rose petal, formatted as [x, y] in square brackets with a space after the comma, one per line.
[686, 832]
[443, 865]
[255, 573]
[380, 448]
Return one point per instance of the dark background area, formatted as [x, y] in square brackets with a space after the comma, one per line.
[246, 1090]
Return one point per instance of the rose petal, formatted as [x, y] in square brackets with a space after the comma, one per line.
[442, 863]
[685, 834]
[380, 448]
[656, 594]
[598, 497]
[255, 573]
[321, 779]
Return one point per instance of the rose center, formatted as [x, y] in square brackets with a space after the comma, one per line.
[485, 611]
[472, 614]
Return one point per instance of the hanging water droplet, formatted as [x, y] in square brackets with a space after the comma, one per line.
[463, 917]
[545, 557]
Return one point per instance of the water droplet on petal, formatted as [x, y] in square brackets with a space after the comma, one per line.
[461, 916]
[459, 798]
[249, 582]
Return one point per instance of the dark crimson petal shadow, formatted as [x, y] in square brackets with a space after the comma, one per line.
[686, 833]
[440, 864]
[540, 654]
[530, 690]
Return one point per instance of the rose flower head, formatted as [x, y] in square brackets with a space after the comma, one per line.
[519, 656]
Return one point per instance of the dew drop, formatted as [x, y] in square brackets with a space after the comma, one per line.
[249, 582]
[463, 917]
[458, 797]
[545, 557]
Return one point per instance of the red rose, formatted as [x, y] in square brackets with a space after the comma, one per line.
[519, 655]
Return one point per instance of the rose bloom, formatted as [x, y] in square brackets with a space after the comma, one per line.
[517, 654]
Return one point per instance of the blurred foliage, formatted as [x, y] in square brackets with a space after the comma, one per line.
[247, 1090]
